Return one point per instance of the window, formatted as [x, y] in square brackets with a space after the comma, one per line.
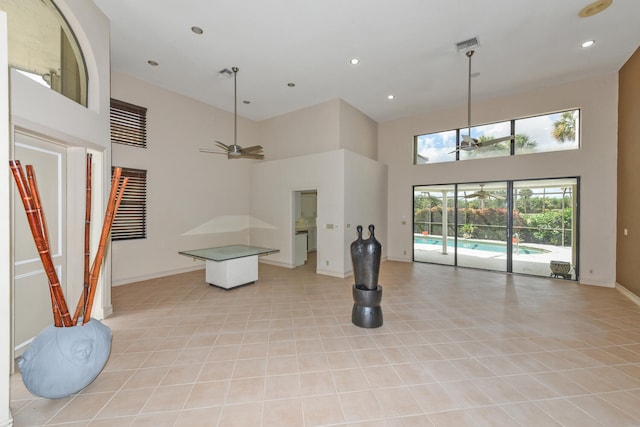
[551, 132]
[43, 47]
[435, 147]
[131, 219]
[128, 124]
[538, 134]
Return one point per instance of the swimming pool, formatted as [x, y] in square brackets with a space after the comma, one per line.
[475, 245]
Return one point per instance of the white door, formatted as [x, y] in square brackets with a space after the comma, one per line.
[31, 301]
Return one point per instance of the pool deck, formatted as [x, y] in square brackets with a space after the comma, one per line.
[534, 264]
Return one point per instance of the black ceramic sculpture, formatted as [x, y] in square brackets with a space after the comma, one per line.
[367, 294]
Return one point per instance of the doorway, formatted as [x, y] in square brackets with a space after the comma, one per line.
[305, 230]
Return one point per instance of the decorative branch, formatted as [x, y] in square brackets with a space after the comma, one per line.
[112, 207]
[35, 218]
[33, 185]
[84, 297]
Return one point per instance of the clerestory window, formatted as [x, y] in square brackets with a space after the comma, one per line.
[537, 134]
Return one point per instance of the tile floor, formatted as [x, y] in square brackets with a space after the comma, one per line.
[458, 347]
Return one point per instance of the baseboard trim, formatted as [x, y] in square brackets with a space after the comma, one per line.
[276, 263]
[156, 275]
[627, 293]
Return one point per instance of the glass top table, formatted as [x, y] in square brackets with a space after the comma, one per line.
[224, 253]
[230, 266]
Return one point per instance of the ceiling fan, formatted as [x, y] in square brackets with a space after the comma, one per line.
[468, 143]
[482, 194]
[234, 151]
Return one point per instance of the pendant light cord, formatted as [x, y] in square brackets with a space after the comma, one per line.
[469, 55]
[235, 106]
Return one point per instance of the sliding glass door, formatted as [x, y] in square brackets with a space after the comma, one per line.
[527, 226]
[434, 224]
[482, 225]
[544, 227]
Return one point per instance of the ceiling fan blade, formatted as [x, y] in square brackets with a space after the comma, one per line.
[207, 150]
[494, 141]
[467, 144]
[252, 148]
[222, 145]
[251, 156]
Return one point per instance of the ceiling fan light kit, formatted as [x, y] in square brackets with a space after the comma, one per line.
[234, 151]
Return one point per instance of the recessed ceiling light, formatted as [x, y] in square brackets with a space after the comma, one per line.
[291, 84]
[390, 96]
[197, 30]
[152, 63]
[354, 61]
[594, 8]
[588, 43]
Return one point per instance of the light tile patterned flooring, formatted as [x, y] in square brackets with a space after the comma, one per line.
[458, 347]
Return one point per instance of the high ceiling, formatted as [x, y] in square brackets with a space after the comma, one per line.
[406, 48]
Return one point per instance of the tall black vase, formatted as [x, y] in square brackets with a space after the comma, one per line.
[357, 257]
[365, 256]
[367, 294]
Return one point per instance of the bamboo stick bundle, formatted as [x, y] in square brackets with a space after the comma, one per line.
[33, 185]
[82, 301]
[112, 207]
[38, 228]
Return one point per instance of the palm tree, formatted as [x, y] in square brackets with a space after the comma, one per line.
[525, 143]
[564, 129]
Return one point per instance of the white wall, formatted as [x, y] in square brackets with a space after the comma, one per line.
[594, 162]
[36, 109]
[194, 199]
[365, 193]
[331, 148]
[351, 190]
[274, 183]
[5, 230]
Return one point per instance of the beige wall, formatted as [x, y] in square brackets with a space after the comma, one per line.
[307, 131]
[187, 191]
[629, 175]
[594, 163]
[357, 132]
[328, 126]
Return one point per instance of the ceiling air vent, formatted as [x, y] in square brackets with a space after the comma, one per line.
[467, 45]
